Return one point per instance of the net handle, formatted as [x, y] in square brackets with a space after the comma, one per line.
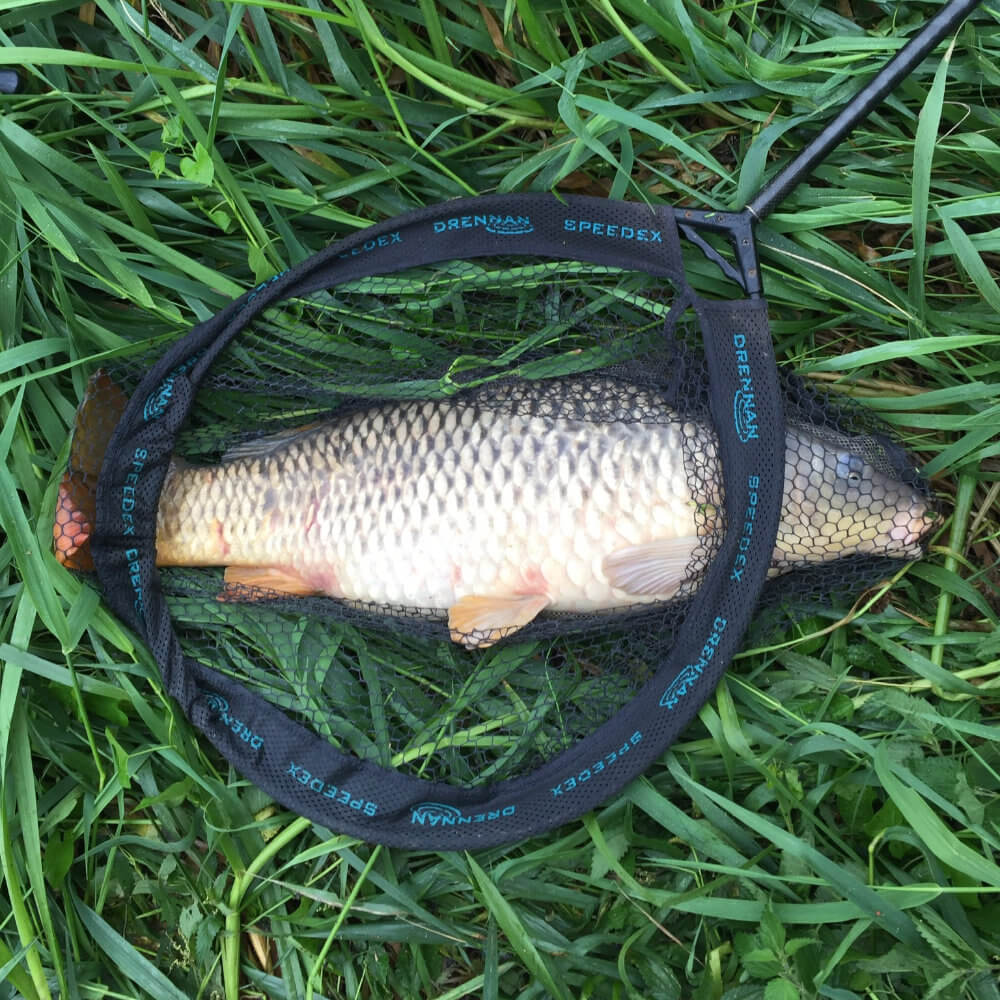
[860, 106]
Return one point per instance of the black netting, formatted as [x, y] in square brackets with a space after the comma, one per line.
[542, 433]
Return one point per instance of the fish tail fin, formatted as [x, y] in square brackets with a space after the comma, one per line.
[76, 505]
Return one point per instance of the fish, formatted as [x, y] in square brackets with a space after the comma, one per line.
[489, 508]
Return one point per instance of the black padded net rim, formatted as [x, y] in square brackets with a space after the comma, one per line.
[303, 771]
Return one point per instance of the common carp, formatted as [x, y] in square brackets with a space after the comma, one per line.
[584, 495]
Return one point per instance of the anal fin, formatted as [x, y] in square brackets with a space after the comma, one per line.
[276, 578]
[476, 621]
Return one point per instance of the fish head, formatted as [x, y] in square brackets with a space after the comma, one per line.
[843, 496]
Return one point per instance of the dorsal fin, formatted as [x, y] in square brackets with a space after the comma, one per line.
[261, 447]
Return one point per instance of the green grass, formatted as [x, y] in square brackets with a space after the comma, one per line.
[830, 827]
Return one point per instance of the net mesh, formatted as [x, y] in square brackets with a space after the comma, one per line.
[567, 344]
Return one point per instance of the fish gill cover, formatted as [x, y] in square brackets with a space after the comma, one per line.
[425, 539]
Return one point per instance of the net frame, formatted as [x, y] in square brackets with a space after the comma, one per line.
[360, 796]
[376, 803]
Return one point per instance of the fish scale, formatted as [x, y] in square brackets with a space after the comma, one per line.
[430, 554]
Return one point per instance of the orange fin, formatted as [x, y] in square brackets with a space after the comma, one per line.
[658, 567]
[284, 581]
[74, 522]
[76, 506]
[477, 622]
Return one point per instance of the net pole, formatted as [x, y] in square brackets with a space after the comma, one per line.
[861, 105]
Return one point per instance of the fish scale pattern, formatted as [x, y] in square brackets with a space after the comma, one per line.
[420, 504]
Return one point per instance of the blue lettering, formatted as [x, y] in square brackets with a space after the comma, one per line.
[689, 675]
[438, 814]
[306, 778]
[376, 243]
[499, 225]
[584, 775]
[612, 231]
[746, 537]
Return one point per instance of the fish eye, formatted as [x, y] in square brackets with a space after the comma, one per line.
[850, 467]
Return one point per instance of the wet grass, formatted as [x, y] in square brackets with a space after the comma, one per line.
[830, 826]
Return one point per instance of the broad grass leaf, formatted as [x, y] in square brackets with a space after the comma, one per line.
[655, 131]
[751, 178]
[965, 250]
[921, 665]
[876, 906]
[57, 672]
[514, 929]
[127, 960]
[923, 157]
[882, 353]
[11, 971]
[951, 582]
[58, 858]
[940, 840]
[32, 564]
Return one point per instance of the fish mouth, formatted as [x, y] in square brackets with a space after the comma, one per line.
[910, 533]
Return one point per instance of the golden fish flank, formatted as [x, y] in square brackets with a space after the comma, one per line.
[495, 511]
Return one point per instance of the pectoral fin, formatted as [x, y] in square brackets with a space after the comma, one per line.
[477, 622]
[284, 581]
[653, 568]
